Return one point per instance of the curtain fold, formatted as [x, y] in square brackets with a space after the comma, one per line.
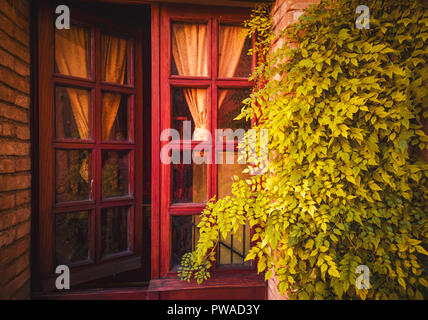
[71, 56]
[190, 52]
[231, 43]
[71, 52]
[113, 70]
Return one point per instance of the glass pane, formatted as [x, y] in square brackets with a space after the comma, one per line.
[234, 249]
[185, 235]
[189, 183]
[72, 237]
[114, 230]
[115, 65]
[115, 117]
[189, 49]
[115, 174]
[233, 48]
[72, 52]
[229, 165]
[229, 107]
[73, 175]
[72, 113]
[190, 104]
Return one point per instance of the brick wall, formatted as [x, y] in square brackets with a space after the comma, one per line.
[15, 161]
[284, 13]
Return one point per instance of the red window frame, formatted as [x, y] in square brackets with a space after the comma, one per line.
[96, 267]
[162, 82]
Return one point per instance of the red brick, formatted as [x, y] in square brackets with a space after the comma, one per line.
[22, 197]
[14, 47]
[14, 97]
[14, 15]
[23, 230]
[13, 113]
[15, 182]
[16, 267]
[11, 218]
[22, 6]
[7, 166]
[11, 288]
[14, 31]
[24, 293]
[7, 237]
[12, 79]
[22, 132]
[14, 148]
[23, 164]
[15, 250]
[13, 63]
[7, 130]
[7, 201]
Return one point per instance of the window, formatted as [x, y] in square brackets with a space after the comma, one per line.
[204, 70]
[90, 149]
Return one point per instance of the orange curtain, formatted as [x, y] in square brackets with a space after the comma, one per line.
[190, 52]
[231, 43]
[71, 54]
[113, 70]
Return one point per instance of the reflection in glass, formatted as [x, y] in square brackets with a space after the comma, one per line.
[72, 52]
[115, 173]
[229, 107]
[73, 175]
[71, 237]
[189, 49]
[114, 230]
[189, 183]
[72, 113]
[234, 60]
[114, 63]
[114, 117]
[190, 104]
[185, 235]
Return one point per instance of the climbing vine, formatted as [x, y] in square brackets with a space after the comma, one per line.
[345, 184]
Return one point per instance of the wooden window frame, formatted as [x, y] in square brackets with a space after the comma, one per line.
[162, 82]
[47, 80]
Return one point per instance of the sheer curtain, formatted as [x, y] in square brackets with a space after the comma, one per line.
[113, 70]
[231, 43]
[190, 52]
[71, 54]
